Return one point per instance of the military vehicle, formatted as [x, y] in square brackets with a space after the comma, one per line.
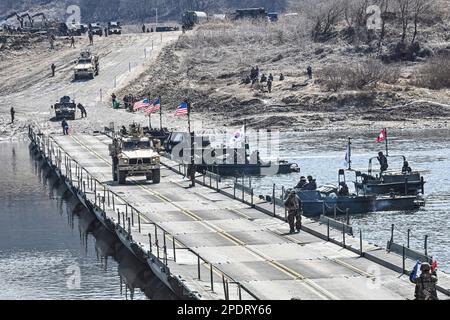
[114, 28]
[191, 18]
[132, 155]
[166, 29]
[65, 109]
[391, 181]
[86, 66]
[249, 13]
[76, 29]
[96, 29]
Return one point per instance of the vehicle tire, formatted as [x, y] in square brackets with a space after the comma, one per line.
[92, 76]
[114, 169]
[156, 175]
[75, 77]
[122, 177]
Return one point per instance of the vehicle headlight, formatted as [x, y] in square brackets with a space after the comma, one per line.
[124, 161]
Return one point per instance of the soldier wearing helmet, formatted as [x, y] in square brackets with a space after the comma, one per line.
[293, 206]
[426, 283]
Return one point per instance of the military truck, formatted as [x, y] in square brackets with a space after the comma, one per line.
[86, 66]
[190, 18]
[132, 155]
[249, 13]
[114, 28]
[65, 108]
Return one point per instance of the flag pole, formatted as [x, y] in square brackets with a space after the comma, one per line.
[386, 136]
[189, 115]
[160, 114]
[150, 115]
[349, 153]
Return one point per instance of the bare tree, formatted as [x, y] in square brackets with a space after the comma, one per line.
[404, 8]
[355, 12]
[326, 15]
[419, 8]
[384, 7]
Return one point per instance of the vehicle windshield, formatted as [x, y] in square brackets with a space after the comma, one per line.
[135, 145]
[85, 60]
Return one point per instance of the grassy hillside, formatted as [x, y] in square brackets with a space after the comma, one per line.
[359, 75]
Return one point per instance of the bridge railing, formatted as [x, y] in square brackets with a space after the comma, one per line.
[104, 197]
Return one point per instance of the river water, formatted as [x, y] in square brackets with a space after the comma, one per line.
[47, 251]
[322, 154]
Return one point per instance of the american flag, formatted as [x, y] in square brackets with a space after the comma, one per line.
[141, 105]
[153, 108]
[182, 109]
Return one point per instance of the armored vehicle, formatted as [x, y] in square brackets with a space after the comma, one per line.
[65, 109]
[96, 29]
[87, 66]
[132, 155]
[114, 28]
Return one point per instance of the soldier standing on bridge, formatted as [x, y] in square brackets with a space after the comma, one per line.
[65, 127]
[426, 283]
[293, 205]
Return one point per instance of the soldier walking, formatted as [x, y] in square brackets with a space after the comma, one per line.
[52, 42]
[91, 38]
[72, 42]
[65, 127]
[426, 283]
[309, 71]
[269, 85]
[13, 112]
[292, 205]
[53, 67]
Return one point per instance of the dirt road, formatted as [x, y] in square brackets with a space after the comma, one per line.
[31, 90]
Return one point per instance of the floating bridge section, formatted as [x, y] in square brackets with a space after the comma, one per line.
[207, 242]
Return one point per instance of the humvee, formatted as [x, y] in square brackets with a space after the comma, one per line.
[86, 66]
[65, 109]
[132, 155]
[114, 28]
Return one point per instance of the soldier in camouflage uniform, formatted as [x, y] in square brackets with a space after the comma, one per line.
[292, 205]
[426, 284]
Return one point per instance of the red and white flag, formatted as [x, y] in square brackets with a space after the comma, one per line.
[382, 136]
[434, 266]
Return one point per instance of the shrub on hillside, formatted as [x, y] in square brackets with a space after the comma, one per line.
[435, 73]
[355, 76]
